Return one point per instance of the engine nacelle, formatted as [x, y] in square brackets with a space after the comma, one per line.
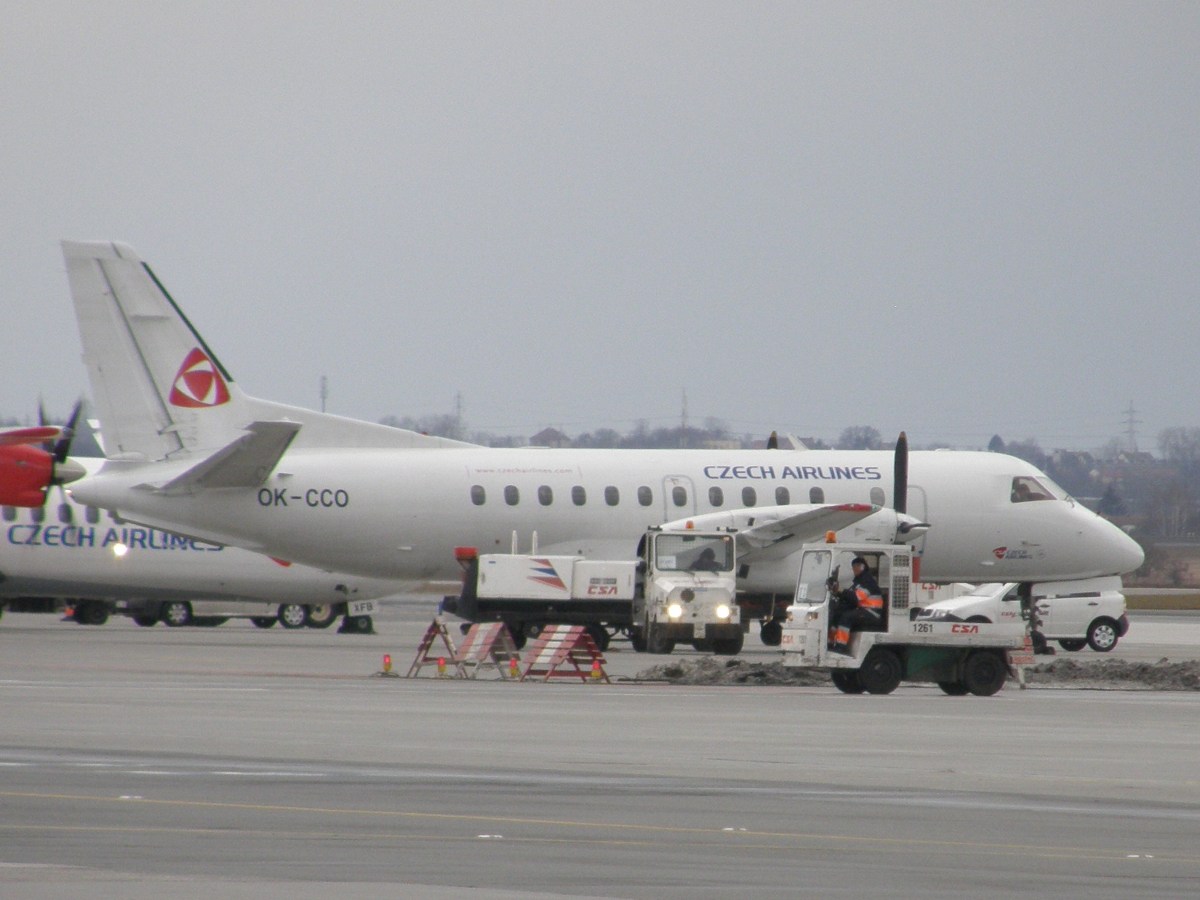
[25, 473]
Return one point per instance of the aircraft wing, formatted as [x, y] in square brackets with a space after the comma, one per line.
[773, 532]
[246, 462]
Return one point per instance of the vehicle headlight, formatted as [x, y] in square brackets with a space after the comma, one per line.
[675, 610]
[722, 611]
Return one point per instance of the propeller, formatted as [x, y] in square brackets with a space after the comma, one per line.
[900, 475]
[773, 441]
[27, 470]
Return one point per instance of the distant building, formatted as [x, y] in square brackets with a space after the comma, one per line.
[550, 437]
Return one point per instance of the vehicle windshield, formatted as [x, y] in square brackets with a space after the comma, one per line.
[694, 552]
[814, 571]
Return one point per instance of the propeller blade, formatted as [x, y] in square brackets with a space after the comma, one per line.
[773, 441]
[900, 475]
[62, 447]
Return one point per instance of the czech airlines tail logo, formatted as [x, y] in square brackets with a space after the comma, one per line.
[198, 384]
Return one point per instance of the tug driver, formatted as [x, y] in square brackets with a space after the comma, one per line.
[859, 606]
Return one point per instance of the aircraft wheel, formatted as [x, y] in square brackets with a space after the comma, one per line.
[846, 681]
[772, 633]
[176, 613]
[729, 646]
[1072, 644]
[953, 688]
[599, 635]
[263, 621]
[881, 671]
[292, 615]
[1102, 635]
[146, 621]
[984, 673]
[322, 615]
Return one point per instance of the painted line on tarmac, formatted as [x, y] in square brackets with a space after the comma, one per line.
[749, 837]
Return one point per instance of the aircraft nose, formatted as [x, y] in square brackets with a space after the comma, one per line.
[1122, 553]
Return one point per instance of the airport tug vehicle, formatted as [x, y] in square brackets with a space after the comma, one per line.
[961, 657]
[681, 588]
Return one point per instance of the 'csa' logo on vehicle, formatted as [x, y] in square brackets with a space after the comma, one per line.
[198, 384]
[959, 628]
[602, 587]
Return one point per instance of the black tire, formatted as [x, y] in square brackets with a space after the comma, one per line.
[637, 639]
[984, 673]
[209, 621]
[517, 633]
[599, 635]
[1102, 635]
[263, 621]
[357, 625]
[91, 613]
[322, 615]
[772, 633]
[145, 621]
[729, 646]
[881, 671]
[702, 645]
[846, 681]
[657, 640]
[953, 688]
[176, 613]
[1072, 644]
[292, 615]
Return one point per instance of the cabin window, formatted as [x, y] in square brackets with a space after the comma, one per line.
[478, 495]
[512, 496]
[93, 515]
[816, 495]
[782, 496]
[578, 495]
[645, 495]
[545, 495]
[878, 497]
[679, 495]
[612, 496]
[10, 514]
[64, 513]
[38, 514]
[716, 496]
[749, 496]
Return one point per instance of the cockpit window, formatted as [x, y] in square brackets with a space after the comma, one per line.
[1026, 488]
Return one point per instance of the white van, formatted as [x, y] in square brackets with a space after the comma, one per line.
[1074, 613]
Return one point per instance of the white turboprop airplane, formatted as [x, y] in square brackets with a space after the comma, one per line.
[189, 452]
[68, 552]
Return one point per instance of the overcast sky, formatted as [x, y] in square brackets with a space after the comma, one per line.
[959, 219]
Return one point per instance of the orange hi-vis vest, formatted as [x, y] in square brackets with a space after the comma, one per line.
[867, 600]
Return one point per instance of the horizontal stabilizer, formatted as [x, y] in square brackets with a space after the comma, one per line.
[247, 462]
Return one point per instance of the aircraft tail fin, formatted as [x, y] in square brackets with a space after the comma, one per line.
[158, 388]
